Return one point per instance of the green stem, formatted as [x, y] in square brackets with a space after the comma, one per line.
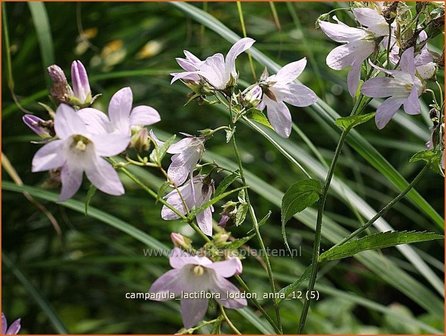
[318, 234]
[357, 109]
[255, 222]
[229, 321]
[384, 210]
[256, 303]
[155, 196]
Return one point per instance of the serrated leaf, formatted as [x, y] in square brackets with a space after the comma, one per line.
[353, 121]
[159, 152]
[240, 215]
[91, 192]
[225, 183]
[377, 241]
[300, 196]
[259, 117]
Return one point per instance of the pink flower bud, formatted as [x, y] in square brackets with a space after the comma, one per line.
[36, 125]
[179, 240]
[60, 90]
[79, 79]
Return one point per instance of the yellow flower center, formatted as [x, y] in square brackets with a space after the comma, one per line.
[198, 270]
[80, 143]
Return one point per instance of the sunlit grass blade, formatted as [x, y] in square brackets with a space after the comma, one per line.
[43, 30]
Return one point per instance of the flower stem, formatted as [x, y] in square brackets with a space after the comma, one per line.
[384, 210]
[257, 304]
[318, 234]
[231, 325]
[357, 109]
[155, 196]
[255, 223]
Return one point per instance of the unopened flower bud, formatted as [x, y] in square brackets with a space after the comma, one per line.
[220, 239]
[180, 241]
[60, 89]
[81, 86]
[140, 139]
[38, 125]
[252, 96]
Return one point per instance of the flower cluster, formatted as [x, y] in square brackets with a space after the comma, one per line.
[79, 139]
[379, 46]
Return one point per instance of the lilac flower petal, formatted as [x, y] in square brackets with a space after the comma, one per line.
[227, 268]
[144, 115]
[407, 62]
[191, 57]
[291, 71]
[412, 103]
[370, 18]
[239, 47]
[175, 201]
[382, 87]
[95, 120]
[213, 70]
[180, 146]
[351, 53]
[4, 324]
[67, 122]
[179, 258]
[49, 157]
[169, 282]
[353, 77]
[71, 178]
[204, 221]
[226, 288]
[186, 64]
[104, 177]
[79, 79]
[193, 311]
[119, 109]
[191, 75]
[427, 71]
[424, 57]
[14, 328]
[182, 165]
[300, 95]
[341, 33]
[110, 144]
[279, 116]
[387, 110]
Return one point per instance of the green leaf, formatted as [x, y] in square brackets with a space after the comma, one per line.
[299, 196]
[235, 244]
[241, 213]
[91, 192]
[225, 183]
[259, 117]
[430, 156]
[158, 153]
[377, 241]
[353, 121]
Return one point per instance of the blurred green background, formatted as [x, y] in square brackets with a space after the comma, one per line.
[75, 282]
